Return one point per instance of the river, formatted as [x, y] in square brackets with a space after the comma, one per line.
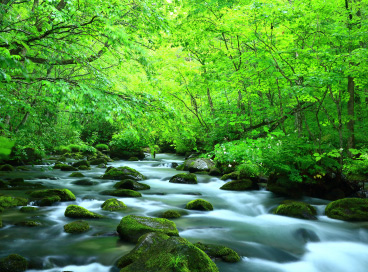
[242, 221]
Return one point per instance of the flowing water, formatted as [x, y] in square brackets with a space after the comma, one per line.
[240, 220]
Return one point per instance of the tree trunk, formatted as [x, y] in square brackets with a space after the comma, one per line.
[350, 125]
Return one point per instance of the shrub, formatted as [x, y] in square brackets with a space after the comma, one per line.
[127, 140]
[102, 147]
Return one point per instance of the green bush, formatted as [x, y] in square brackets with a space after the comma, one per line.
[74, 148]
[62, 149]
[127, 140]
[102, 147]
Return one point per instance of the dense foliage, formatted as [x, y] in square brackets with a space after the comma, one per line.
[263, 87]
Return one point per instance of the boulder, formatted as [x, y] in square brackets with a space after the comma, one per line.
[113, 204]
[122, 173]
[75, 211]
[218, 251]
[214, 171]
[170, 214]
[232, 175]
[80, 163]
[133, 159]
[6, 167]
[13, 263]
[296, 209]
[132, 227]
[84, 182]
[76, 226]
[126, 154]
[131, 185]
[64, 194]
[348, 209]
[28, 209]
[184, 178]
[98, 161]
[48, 201]
[10, 201]
[122, 192]
[198, 165]
[76, 175]
[199, 204]
[29, 223]
[66, 167]
[83, 167]
[240, 185]
[160, 252]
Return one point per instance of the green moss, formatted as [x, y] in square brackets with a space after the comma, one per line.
[240, 185]
[133, 159]
[113, 204]
[98, 161]
[49, 200]
[232, 175]
[159, 252]
[296, 209]
[9, 201]
[81, 163]
[74, 147]
[122, 173]
[64, 194]
[199, 204]
[75, 211]
[84, 182]
[131, 185]
[76, 226]
[65, 167]
[13, 263]
[6, 167]
[83, 167]
[29, 223]
[28, 209]
[218, 251]
[131, 227]
[76, 175]
[180, 167]
[184, 178]
[171, 214]
[102, 147]
[122, 192]
[348, 209]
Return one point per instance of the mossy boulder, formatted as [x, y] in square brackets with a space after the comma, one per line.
[81, 163]
[122, 193]
[240, 185]
[10, 201]
[121, 173]
[64, 194]
[232, 175]
[184, 178]
[76, 175]
[28, 209]
[48, 201]
[218, 251]
[198, 165]
[132, 227]
[3, 184]
[214, 171]
[102, 147]
[133, 159]
[180, 167]
[29, 223]
[199, 204]
[66, 167]
[75, 211]
[116, 152]
[6, 167]
[170, 214]
[348, 209]
[13, 263]
[98, 161]
[131, 185]
[84, 182]
[113, 204]
[160, 252]
[76, 226]
[296, 209]
[83, 167]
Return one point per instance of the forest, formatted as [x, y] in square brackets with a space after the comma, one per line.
[270, 96]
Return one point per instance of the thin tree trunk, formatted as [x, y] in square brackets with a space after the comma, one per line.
[350, 125]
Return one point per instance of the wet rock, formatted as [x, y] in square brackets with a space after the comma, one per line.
[98, 161]
[75, 211]
[133, 159]
[214, 172]
[131, 185]
[199, 204]
[296, 209]
[76, 175]
[232, 175]
[64, 194]
[113, 204]
[132, 227]
[13, 263]
[306, 235]
[348, 209]
[240, 185]
[218, 251]
[122, 192]
[29, 223]
[160, 252]
[180, 167]
[184, 179]
[81, 163]
[76, 226]
[122, 173]
[10, 201]
[83, 167]
[6, 167]
[84, 182]
[65, 167]
[198, 165]
[28, 209]
[170, 214]
[48, 201]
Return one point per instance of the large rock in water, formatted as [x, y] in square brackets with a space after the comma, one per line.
[132, 227]
[198, 165]
[75, 211]
[159, 252]
[64, 194]
[296, 209]
[348, 209]
[240, 185]
[13, 263]
[184, 179]
[131, 185]
[218, 251]
[123, 172]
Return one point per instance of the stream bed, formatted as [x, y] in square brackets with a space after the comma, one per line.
[242, 221]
